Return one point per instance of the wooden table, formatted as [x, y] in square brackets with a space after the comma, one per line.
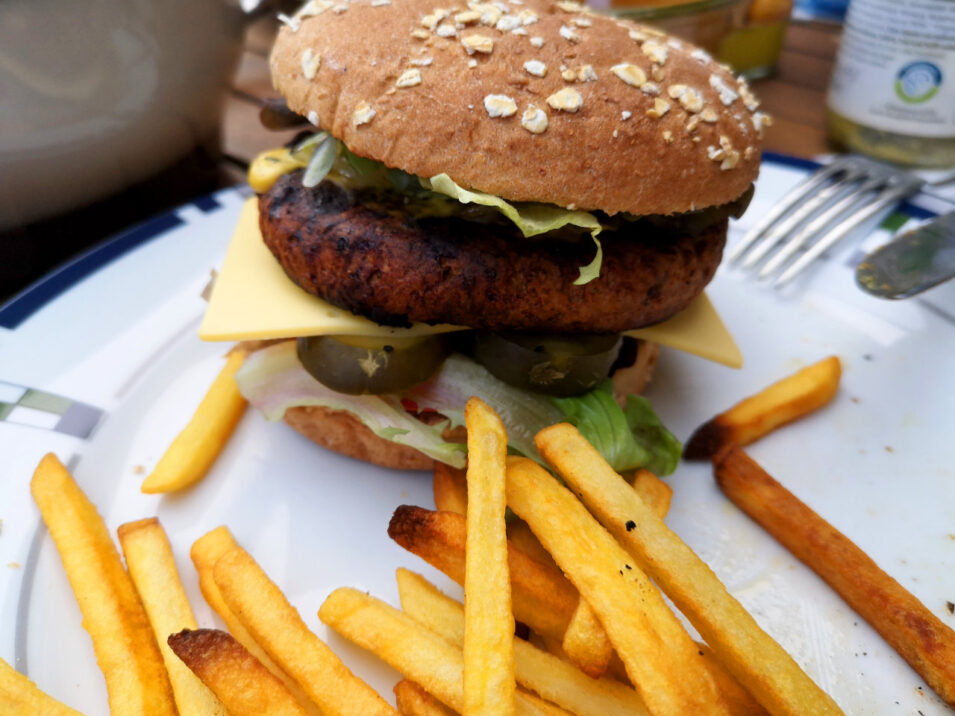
[795, 96]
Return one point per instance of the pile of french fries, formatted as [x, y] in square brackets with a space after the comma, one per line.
[566, 606]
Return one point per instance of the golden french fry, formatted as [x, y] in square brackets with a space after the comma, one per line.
[586, 643]
[152, 568]
[450, 488]
[662, 661]
[783, 402]
[654, 491]
[760, 664]
[19, 695]
[205, 553]
[418, 653]
[540, 595]
[277, 627]
[520, 536]
[192, 452]
[126, 651]
[545, 674]
[241, 683]
[489, 683]
[920, 637]
[412, 700]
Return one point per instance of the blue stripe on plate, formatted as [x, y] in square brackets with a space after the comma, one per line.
[787, 161]
[33, 298]
[207, 204]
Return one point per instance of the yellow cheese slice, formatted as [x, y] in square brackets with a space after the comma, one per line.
[253, 299]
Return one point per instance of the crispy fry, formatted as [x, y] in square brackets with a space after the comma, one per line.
[540, 596]
[242, 684]
[152, 568]
[408, 647]
[450, 488]
[586, 643]
[661, 659]
[413, 700]
[520, 536]
[205, 553]
[19, 695]
[654, 491]
[126, 651]
[904, 622]
[545, 674]
[783, 402]
[192, 452]
[277, 627]
[489, 683]
[751, 655]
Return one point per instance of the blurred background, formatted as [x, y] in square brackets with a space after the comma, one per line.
[121, 109]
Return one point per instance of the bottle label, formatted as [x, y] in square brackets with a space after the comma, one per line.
[896, 67]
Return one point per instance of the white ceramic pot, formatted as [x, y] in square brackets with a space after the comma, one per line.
[99, 94]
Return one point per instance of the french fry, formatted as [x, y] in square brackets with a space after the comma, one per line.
[152, 568]
[418, 653]
[920, 637]
[654, 491]
[412, 700]
[136, 680]
[489, 683]
[450, 488]
[277, 627]
[545, 674]
[191, 454]
[586, 642]
[783, 402]
[540, 595]
[237, 678]
[520, 536]
[19, 695]
[760, 664]
[205, 553]
[662, 661]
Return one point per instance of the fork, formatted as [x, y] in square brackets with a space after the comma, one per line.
[819, 212]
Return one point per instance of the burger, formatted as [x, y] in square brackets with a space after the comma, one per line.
[488, 199]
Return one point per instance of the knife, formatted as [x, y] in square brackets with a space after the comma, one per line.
[911, 262]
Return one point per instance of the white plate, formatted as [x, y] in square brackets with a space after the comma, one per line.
[120, 336]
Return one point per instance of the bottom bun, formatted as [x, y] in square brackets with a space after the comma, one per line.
[340, 431]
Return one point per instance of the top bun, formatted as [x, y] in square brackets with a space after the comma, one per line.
[527, 99]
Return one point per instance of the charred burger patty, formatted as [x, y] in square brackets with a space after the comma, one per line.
[378, 260]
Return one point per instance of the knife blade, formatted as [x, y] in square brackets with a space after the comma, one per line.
[911, 262]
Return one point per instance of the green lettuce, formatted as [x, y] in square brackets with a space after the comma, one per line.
[531, 219]
[628, 439]
[273, 380]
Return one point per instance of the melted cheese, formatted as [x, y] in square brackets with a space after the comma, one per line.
[254, 299]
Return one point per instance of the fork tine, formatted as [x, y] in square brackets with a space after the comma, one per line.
[853, 200]
[841, 230]
[785, 204]
[831, 193]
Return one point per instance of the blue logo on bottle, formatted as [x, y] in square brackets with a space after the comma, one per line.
[918, 82]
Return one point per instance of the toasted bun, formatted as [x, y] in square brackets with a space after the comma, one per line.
[339, 431]
[380, 77]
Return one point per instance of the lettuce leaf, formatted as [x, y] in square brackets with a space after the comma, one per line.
[273, 380]
[628, 439]
[531, 219]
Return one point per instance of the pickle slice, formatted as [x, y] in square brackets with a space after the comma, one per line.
[356, 365]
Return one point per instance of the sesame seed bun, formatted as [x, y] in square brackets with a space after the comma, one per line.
[531, 101]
